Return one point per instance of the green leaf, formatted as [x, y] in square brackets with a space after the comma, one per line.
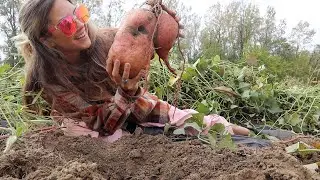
[218, 127]
[255, 94]
[9, 98]
[198, 118]
[242, 74]
[166, 128]
[194, 125]
[261, 68]
[213, 140]
[202, 65]
[275, 109]
[216, 60]
[202, 108]
[189, 73]
[227, 142]
[308, 151]
[260, 84]
[159, 92]
[295, 119]
[196, 63]
[233, 106]
[4, 68]
[281, 121]
[20, 129]
[173, 80]
[243, 85]
[246, 94]
[296, 147]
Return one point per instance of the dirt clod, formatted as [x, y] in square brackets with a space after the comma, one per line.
[135, 154]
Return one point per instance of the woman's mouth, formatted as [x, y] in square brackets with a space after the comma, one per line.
[80, 36]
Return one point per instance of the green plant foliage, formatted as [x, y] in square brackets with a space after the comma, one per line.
[243, 94]
[12, 111]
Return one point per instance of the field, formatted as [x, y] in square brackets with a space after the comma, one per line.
[246, 95]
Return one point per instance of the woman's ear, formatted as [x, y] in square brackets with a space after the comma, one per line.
[47, 42]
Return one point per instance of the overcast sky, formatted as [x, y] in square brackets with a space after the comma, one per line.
[291, 10]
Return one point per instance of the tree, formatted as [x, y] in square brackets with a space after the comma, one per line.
[105, 13]
[314, 62]
[10, 28]
[280, 41]
[248, 27]
[301, 36]
[268, 30]
[190, 45]
[231, 30]
[114, 12]
[213, 33]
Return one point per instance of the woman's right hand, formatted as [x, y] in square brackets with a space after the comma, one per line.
[129, 86]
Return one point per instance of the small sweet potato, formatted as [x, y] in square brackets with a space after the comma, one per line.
[167, 30]
[167, 33]
[133, 42]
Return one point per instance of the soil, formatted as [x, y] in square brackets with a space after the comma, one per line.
[54, 156]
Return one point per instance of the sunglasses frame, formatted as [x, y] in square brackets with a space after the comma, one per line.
[53, 28]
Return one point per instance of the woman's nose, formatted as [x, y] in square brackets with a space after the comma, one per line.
[78, 23]
[75, 19]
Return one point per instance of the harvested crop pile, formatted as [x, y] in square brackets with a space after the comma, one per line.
[144, 157]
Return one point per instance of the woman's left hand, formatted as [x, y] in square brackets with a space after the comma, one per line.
[129, 86]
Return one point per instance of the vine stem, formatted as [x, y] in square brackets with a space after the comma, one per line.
[179, 82]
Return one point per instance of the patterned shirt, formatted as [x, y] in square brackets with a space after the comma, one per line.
[109, 116]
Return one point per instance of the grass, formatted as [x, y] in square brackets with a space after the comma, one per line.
[15, 119]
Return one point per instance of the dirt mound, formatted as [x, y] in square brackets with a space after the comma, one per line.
[54, 156]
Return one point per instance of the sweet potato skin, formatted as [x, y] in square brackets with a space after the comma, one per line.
[167, 33]
[133, 42]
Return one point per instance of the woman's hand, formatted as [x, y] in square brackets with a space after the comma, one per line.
[129, 86]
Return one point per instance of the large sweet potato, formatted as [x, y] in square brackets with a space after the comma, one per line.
[133, 42]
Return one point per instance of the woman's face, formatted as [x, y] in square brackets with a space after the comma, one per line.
[67, 43]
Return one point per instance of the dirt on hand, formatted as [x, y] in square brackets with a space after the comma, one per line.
[55, 156]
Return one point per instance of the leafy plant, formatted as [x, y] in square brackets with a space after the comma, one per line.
[217, 136]
[243, 94]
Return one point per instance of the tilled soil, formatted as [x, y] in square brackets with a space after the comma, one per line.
[54, 156]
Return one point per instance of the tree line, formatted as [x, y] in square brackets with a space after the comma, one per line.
[235, 31]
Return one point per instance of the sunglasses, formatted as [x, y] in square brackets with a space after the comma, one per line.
[68, 25]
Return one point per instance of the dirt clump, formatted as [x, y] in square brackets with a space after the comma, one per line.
[54, 156]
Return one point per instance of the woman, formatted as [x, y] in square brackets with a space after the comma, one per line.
[66, 57]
